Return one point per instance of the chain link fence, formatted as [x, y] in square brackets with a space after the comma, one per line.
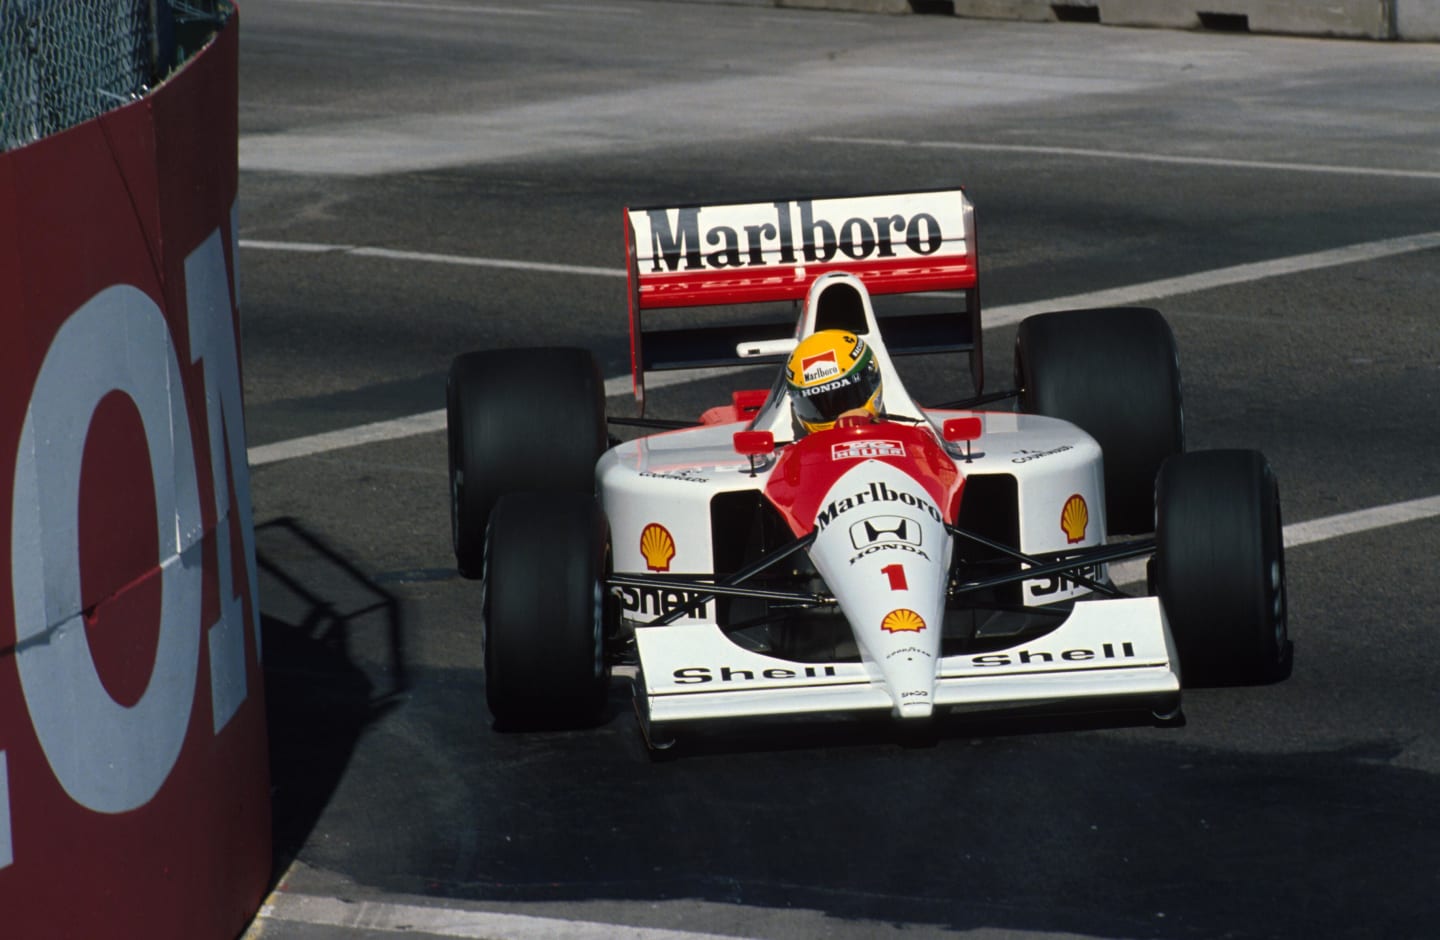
[63, 62]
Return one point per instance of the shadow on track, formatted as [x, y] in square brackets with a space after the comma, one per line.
[318, 701]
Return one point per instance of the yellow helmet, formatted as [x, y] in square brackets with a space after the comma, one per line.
[830, 373]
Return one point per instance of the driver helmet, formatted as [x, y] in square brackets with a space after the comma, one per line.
[832, 372]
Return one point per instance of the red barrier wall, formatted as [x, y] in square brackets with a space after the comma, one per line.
[134, 787]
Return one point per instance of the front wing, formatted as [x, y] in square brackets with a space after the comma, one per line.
[1110, 653]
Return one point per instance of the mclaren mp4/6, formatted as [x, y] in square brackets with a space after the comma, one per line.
[907, 560]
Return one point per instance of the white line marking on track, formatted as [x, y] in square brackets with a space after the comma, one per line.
[1220, 277]
[428, 257]
[1317, 530]
[429, 421]
[1128, 572]
[348, 437]
[1180, 159]
[1361, 520]
[415, 919]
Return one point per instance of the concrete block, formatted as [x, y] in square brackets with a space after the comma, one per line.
[1172, 14]
[1352, 18]
[1035, 11]
[1417, 20]
[849, 6]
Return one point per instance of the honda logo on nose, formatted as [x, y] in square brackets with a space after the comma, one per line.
[875, 529]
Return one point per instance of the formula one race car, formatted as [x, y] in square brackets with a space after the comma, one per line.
[767, 561]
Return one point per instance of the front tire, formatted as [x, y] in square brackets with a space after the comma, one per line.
[1115, 373]
[1219, 567]
[518, 419]
[546, 610]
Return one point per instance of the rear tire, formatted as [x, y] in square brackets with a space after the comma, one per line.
[518, 419]
[1116, 374]
[1219, 567]
[546, 611]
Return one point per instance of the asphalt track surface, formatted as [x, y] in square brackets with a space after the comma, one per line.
[475, 141]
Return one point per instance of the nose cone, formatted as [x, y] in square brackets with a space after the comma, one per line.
[904, 651]
[916, 710]
[882, 547]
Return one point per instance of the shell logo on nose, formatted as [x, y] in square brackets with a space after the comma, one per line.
[902, 621]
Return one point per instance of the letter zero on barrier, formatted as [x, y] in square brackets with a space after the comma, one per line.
[109, 758]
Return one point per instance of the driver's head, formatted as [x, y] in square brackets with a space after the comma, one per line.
[832, 372]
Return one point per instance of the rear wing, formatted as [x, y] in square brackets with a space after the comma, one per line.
[763, 252]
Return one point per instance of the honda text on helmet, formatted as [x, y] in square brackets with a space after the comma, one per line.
[832, 373]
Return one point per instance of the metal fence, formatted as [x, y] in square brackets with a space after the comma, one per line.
[63, 62]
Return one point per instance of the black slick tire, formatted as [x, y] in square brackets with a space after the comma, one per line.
[1219, 567]
[1115, 373]
[518, 419]
[546, 611]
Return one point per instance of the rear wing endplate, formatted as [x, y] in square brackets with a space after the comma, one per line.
[746, 253]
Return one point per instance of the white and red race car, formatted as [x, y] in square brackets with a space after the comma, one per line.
[933, 560]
